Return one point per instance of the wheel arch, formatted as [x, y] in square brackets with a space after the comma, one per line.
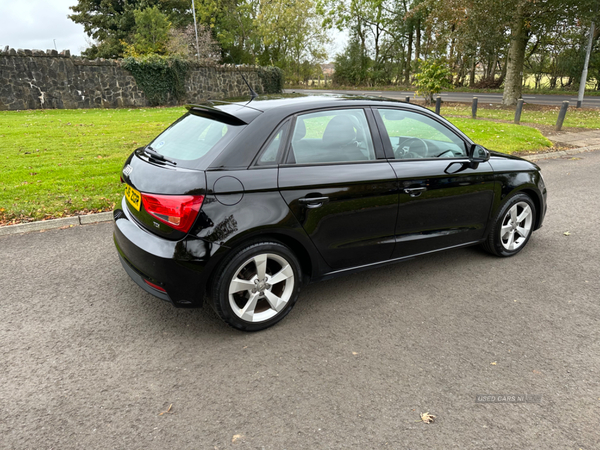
[307, 264]
[537, 201]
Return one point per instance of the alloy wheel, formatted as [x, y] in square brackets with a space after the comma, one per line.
[516, 226]
[261, 287]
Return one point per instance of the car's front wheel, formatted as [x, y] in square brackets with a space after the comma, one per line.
[512, 226]
[257, 286]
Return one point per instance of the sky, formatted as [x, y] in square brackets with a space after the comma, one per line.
[35, 24]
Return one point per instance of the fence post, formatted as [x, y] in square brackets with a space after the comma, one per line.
[474, 108]
[561, 115]
[518, 111]
[407, 99]
[438, 104]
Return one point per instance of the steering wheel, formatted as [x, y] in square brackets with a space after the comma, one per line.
[412, 148]
[444, 152]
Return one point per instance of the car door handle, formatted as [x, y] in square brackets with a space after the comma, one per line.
[415, 192]
[313, 202]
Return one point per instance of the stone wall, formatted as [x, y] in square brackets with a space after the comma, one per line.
[33, 79]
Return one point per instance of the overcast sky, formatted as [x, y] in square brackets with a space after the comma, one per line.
[34, 24]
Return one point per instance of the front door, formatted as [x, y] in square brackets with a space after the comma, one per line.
[343, 195]
[444, 201]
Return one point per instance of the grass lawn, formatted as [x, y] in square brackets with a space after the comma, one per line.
[57, 163]
[62, 162]
[502, 137]
[577, 118]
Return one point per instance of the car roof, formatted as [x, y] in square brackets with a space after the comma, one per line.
[268, 112]
[290, 103]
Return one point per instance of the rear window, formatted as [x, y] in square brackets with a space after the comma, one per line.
[192, 138]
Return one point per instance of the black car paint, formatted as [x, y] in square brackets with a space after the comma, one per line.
[355, 224]
[244, 202]
[453, 209]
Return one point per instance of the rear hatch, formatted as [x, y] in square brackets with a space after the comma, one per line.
[165, 182]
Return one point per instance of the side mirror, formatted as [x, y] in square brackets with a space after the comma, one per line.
[478, 154]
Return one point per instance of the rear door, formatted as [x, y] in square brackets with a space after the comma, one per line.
[443, 200]
[339, 186]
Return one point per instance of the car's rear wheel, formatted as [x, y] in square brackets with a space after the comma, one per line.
[257, 286]
[512, 227]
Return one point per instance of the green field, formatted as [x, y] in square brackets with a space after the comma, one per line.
[502, 137]
[576, 118]
[63, 162]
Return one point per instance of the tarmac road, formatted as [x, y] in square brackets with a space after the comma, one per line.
[462, 97]
[89, 360]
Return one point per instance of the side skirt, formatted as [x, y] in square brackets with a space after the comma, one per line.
[350, 270]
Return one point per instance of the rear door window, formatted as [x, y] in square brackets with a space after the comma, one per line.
[331, 136]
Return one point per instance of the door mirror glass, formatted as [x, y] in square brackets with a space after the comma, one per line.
[477, 153]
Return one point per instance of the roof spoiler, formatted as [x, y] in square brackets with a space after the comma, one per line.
[211, 112]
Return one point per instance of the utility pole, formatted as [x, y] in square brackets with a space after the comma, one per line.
[196, 30]
[585, 67]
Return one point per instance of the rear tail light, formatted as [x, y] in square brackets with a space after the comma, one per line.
[177, 211]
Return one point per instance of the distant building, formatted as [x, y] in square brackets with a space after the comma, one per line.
[328, 69]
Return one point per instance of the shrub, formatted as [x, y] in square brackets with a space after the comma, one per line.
[432, 78]
[271, 79]
[162, 78]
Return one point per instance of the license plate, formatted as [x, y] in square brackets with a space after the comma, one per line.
[134, 197]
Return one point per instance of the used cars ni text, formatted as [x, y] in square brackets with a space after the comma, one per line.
[241, 204]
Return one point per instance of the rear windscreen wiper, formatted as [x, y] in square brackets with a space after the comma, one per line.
[157, 156]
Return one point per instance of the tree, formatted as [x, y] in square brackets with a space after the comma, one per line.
[352, 66]
[151, 33]
[526, 17]
[110, 23]
[433, 77]
[182, 42]
[232, 24]
[291, 34]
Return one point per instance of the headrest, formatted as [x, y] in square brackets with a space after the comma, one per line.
[339, 131]
[300, 131]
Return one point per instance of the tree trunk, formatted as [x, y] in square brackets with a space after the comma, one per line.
[494, 66]
[515, 60]
[418, 40]
[473, 67]
[408, 56]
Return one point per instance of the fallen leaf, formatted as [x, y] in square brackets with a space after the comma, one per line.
[168, 411]
[427, 418]
[236, 437]
[493, 363]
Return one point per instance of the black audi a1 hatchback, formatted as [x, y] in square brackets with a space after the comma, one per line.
[243, 203]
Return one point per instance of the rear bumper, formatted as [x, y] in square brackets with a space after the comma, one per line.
[139, 280]
[181, 267]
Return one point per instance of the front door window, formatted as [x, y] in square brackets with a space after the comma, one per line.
[413, 136]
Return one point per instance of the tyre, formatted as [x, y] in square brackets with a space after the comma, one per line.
[257, 286]
[512, 226]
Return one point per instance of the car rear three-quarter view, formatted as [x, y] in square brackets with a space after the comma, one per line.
[241, 204]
